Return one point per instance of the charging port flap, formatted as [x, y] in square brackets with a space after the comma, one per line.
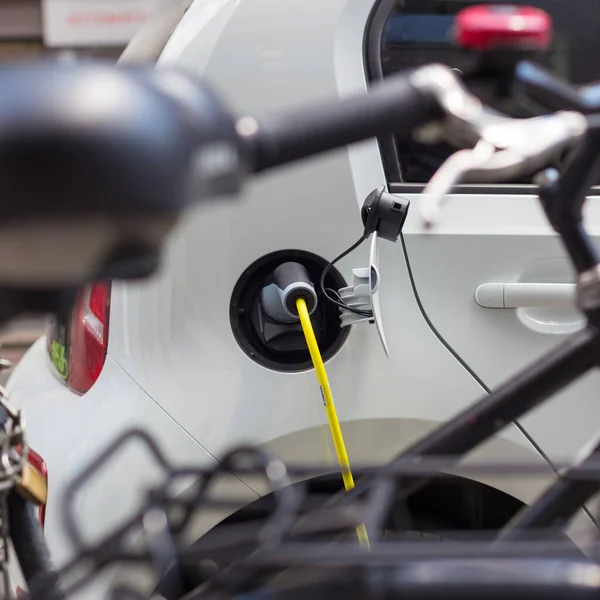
[363, 295]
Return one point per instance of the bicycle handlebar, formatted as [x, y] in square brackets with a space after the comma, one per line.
[550, 92]
[398, 106]
[119, 153]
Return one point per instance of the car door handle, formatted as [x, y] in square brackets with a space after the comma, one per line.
[524, 295]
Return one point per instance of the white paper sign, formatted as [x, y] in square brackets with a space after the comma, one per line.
[79, 23]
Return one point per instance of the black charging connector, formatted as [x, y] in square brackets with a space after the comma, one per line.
[385, 214]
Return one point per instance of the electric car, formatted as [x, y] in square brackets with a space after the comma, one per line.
[192, 357]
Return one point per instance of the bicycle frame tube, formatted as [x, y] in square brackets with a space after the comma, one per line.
[522, 393]
[556, 505]
[563, 198]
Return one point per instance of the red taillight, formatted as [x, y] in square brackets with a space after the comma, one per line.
[88, 337]
[38, 463]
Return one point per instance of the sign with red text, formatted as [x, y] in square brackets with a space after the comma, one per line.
[80, 23]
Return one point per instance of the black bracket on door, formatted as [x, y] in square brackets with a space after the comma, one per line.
[385, 214]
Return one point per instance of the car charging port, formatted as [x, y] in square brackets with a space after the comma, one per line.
[264, 316]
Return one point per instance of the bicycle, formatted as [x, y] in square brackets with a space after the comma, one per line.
[183, 124]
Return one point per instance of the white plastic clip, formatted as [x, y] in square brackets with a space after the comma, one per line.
[363, 295]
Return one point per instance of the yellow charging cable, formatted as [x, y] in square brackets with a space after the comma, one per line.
[334, 424]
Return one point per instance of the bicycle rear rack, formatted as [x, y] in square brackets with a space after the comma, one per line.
[295, 537]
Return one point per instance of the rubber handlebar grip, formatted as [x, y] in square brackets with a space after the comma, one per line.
[392, 106]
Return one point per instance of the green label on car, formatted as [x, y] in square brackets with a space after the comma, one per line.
[59, 359]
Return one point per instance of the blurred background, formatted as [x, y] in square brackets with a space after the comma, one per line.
[65, 28]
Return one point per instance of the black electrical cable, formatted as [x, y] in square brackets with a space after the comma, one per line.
[325, 291]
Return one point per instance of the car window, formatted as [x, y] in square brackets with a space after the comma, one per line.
[418, 32]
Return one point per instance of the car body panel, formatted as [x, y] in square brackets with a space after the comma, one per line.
[264, 56]
[499, 238]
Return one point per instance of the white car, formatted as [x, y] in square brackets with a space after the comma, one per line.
[188, 357]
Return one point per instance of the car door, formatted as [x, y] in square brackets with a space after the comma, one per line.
[476, 275]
